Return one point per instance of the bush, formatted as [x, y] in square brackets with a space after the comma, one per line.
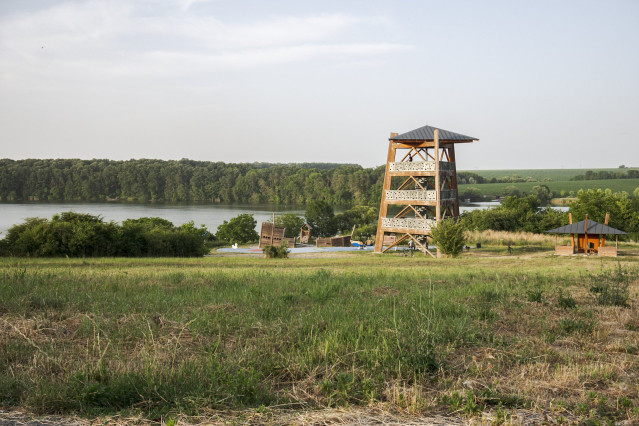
[240, 229]
[83, 235]
[449, 236]
[515, 214]
[275, 252]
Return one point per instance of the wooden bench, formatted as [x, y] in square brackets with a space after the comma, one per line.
[564, 250]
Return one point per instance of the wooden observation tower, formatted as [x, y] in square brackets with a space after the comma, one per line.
[420, 186]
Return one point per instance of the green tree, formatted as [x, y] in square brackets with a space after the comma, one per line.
[597, 202]
[449, 236]
[359, 216]
[511, 191]
[240, 229]
[321, 218]
[543, 193]
[291, 222]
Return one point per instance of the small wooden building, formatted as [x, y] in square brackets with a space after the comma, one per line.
[271, 235]
[587, 237]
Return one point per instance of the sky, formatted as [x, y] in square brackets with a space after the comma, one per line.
[541, 84]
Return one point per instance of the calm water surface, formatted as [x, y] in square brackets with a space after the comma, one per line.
[210, 215]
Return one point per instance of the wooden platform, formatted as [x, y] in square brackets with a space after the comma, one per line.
[344, 241]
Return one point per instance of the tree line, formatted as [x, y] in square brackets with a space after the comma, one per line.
[524, 213]
[187, 181]
[604, 174]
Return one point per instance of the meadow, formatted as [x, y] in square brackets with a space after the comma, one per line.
[482, 336]
[541, 174]
[615, 185]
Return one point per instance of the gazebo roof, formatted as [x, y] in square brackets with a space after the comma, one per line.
[427, 133]
[580, 228]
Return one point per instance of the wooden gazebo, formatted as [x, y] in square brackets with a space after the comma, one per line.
[420, 186]
[590, 238]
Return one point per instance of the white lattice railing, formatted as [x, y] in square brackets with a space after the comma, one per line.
[419, 166]
[424, 225]
[418, 195]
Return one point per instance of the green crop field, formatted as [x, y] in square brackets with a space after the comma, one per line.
[262, 341]
[616, 185]
[541, 174]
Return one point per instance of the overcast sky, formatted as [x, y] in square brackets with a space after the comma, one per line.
[542, 84]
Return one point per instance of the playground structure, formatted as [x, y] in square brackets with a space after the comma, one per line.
[305, 234]
[591, 237]
[420, 186]
[271, 235]
[344, 241]
[340, 241]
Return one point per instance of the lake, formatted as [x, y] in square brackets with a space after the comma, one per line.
[210, 215]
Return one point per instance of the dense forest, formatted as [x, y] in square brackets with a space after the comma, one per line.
[187, 181]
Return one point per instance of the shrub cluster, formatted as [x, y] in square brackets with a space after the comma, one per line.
[83, 235]
[515, 214]
[275, 252]
[449, 236]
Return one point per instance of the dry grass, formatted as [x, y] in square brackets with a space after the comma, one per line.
[319, 341]
[503, 238]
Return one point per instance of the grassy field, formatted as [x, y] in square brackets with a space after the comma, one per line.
[541, 174]
[483, 335]
[616, 185]
[559, 181]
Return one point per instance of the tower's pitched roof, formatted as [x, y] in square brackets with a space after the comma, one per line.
[580, 228]
[427, 133]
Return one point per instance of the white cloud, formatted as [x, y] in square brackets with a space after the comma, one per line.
[115, 37]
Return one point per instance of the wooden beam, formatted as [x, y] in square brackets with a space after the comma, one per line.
[453, 173]
[420, 155]
[402, 213]
[397, 241]
[418, 184]
[407, 154]
[586, 235]
[438, 207]
[383, 208]
[417, 213]
[424, 249]
[572, 236]
[603, 238]
[403, 230]
[403, 185]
